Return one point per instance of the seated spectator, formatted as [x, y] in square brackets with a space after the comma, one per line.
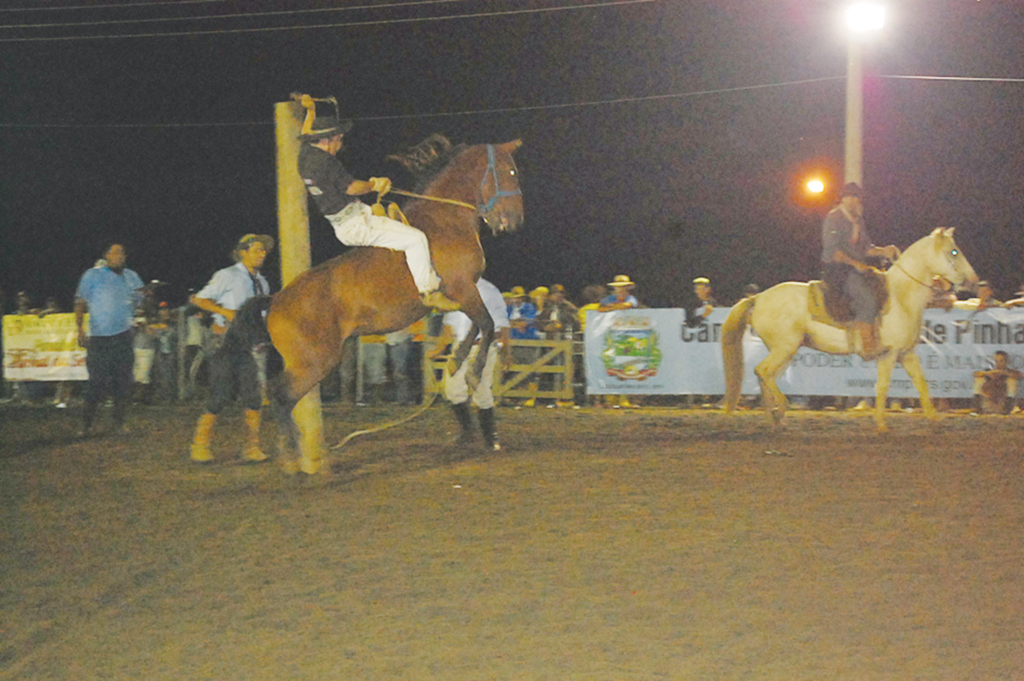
[1018, 299]
[995, 390]
[986, 299]
[621, 297]
[751, 290]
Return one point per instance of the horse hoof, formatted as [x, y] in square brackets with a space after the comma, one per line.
[289, 466]
[311, 466]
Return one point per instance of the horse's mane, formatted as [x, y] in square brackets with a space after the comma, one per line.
[428, 158]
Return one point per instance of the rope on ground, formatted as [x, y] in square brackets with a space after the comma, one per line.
[434, 388]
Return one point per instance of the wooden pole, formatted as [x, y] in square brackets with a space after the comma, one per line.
[293, 242]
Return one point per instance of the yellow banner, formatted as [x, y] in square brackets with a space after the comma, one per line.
[42, 348]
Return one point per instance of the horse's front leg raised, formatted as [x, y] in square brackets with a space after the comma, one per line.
[885, 367]
[912, 363]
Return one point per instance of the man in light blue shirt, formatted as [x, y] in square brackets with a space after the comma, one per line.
[110, 294]
[233, 370]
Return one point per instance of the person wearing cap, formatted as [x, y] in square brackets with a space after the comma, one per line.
[621, 297]
[110, 295]
[846, 246]
[558, 320]
[522, 317]
[706, 302]
[233, 370]
[335, 193]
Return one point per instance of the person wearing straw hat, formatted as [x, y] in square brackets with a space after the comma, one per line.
[335, 192]
[233, 370]
[621, 297]
[706, 302]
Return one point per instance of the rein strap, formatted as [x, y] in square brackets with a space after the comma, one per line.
[439, 199]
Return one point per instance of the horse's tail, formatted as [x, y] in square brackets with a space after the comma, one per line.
[249, 327]
[732, 350]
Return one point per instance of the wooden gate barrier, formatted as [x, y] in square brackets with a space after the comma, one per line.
[554, 358]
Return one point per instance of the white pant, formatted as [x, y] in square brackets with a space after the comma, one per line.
[455, 389]
[356, 225]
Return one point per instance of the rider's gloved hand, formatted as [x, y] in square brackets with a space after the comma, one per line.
[381, 185]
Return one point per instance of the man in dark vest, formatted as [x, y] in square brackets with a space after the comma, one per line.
[846, 247]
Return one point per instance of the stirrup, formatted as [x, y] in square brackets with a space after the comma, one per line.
[438, 301]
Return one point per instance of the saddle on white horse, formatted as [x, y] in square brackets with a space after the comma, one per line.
[829, 306]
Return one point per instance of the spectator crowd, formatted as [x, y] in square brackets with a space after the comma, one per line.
[172, 346]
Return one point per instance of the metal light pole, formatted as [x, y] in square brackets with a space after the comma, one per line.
[861, 20]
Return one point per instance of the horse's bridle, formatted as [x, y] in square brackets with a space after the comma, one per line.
[949, 261]
[481, 208]
[492, 170]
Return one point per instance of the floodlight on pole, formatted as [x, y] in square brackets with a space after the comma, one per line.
[862, 19]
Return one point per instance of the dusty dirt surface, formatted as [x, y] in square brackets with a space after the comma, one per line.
[600, 544]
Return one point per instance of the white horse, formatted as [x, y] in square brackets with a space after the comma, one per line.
[781, 317]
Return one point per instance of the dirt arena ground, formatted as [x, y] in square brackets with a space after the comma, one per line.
[600, 544]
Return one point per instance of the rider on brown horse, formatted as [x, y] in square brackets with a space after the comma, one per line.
[334, 190]
[845, 248]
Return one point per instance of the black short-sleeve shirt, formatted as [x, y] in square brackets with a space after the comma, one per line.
[325, 179]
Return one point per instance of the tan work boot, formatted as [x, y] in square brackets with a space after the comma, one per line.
[438, 301]
[201, 440]
[252, 452]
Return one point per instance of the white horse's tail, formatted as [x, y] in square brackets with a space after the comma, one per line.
[732, 350]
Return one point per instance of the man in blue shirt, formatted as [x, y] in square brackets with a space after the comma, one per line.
[109, 293]
[233, 369]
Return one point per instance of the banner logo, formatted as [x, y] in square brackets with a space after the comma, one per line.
[631, 350]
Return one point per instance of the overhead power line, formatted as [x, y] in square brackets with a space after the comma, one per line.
[965, 79]
[443, 114]
[125, 5]
[350, 24]
[538, 107]
[239, 15]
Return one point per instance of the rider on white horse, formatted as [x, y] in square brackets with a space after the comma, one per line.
[845, 247]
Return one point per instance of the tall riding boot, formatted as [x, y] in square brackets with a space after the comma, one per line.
[462, 415]
[870, 347]
[252, 451]
[487, 428]
[201, 440]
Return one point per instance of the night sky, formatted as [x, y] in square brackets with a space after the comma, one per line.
[664, 140]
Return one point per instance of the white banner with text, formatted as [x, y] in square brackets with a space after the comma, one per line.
[42, 348]
[653, 352]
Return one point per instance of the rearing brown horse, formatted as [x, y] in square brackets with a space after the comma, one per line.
[371, 291]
